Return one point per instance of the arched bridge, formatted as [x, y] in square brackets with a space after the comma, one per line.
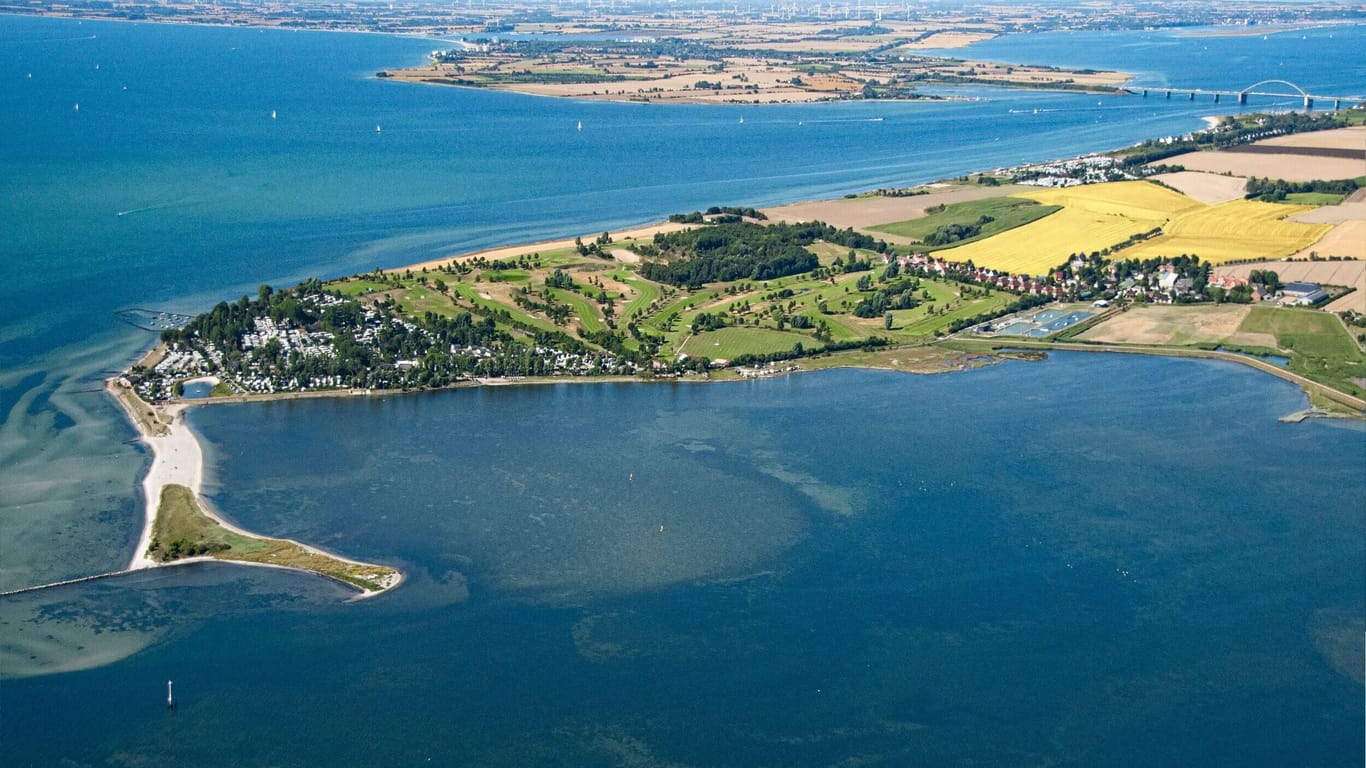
[1274, 88]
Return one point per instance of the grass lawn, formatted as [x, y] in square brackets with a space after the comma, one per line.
[1007, 213]
[416, 299]
[505, 275]
[919, 322]
[730, 343]
[352, 288]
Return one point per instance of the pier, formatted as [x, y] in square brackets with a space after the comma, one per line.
[1278, 89]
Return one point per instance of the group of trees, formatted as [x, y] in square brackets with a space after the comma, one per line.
[719, 214]
[1276, 190]
[895, 294]
[742, 251]
[952, 233]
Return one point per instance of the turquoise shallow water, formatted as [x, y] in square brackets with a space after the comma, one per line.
[1075, 561]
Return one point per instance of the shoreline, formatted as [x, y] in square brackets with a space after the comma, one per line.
[178, 459]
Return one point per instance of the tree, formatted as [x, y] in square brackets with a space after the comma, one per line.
[887, 321]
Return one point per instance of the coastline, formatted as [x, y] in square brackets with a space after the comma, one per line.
[178, 459]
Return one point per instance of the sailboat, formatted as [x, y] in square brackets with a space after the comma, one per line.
[742, 119]
[580, 126]
[272, 114]
[376, 127]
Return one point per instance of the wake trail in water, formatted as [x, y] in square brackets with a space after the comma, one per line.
[158, 207]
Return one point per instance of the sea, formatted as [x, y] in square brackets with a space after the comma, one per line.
[1086, 560]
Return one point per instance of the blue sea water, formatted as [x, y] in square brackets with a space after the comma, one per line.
[1075, 561]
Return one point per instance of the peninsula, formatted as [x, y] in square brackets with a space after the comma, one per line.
[180, 528]
[929, 278]
[1123, 252]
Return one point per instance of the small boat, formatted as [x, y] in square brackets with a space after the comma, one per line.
[376, 127]
[77, 108]
[742, 119]
[580, 125]
[272, 114]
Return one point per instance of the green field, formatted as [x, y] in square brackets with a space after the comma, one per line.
[730, 343]
[1319, 347]
[1007, 213]
[1312, 198]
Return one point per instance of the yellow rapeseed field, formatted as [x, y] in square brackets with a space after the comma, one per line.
[1097, 216]
[1233, 231]
[1094, 217]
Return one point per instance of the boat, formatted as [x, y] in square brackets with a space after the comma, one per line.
[272, 114]
[580, 125]
[376, 127]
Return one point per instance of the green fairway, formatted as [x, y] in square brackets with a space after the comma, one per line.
[471, 294]
[1006, 213]
[585, 310]
[646, 294]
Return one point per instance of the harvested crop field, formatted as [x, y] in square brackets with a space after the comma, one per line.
[1176, 325]
[1348, 210]
[1338, 138]
[1209, 188]
[1277, 166]
[864, 212]
[1233, 231]
[1343, 240]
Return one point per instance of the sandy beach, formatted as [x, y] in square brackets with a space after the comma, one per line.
[178, 459]
[646, 233]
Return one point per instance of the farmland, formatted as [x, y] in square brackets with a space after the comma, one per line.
[987, 218]
[1233, 231]
[1093, 218]
[1100, 216]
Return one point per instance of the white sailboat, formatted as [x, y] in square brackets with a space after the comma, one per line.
[580, 126]
[272, 114]
[376, 127]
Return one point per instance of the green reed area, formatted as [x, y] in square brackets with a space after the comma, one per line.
[183, 530]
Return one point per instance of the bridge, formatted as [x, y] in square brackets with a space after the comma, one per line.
[1281, 89]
